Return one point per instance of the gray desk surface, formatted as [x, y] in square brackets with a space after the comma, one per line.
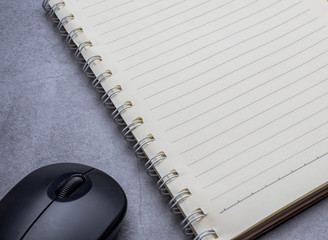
[50, 113]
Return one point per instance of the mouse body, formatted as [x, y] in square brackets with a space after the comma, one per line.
[64, 201]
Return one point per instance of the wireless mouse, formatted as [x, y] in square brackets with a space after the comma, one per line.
[64, 201]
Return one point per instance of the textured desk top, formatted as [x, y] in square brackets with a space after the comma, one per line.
[50, 113]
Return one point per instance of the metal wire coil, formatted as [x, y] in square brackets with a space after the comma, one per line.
[106, 98]
[152, 162]
[60, 25]
[176, 200]
[54, 8]
[45, 5]
[208, 232]
[78, 53]
[87, 66]
[196, 215]
[71, 35]
[128, 129]
[98, 80]
[116, 115]
[138, 147]
[163, 181]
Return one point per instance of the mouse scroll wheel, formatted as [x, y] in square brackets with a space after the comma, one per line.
[70, 186]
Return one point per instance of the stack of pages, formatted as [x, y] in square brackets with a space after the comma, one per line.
[227, 101]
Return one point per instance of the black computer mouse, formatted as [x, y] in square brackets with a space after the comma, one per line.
[63, 201]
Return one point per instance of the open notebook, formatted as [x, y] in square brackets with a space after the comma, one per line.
[227, 101]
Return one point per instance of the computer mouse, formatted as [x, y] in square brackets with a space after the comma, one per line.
[65, 201]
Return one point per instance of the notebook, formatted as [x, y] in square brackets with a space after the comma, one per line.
[226, 101]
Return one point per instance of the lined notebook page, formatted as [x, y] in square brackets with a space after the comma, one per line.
[237, 91]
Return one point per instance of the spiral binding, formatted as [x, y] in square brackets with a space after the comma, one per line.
[116, 115]
[209, 232]
[98, 80]
[163, 181]
[196, 215]
[60, 25]
[106, 98]
[141, 144]
[71, 35]
[87, 65]
[128, 129]
[152, 162]
[46, 6]
[176, 200]
[54, 8]
[78, 53]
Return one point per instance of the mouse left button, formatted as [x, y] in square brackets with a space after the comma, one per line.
[24, 203]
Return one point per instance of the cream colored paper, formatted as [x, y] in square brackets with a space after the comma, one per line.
[234, 92]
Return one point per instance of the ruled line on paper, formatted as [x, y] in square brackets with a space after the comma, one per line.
[190, 30]
[267, 109]
[253, 146]
[202, 36]
[211, 56]
[267, 154]
[142, 18]
[111, 8]
[278, 148]
[151, 70]
[211, 153]
[261, 71]
[240, 55]
[94, 4]
[269, 168]
[146, 85]
[214, 94]
[171, 27]
[208, 57]
[186, 10]
[124, 14]
[270, 184]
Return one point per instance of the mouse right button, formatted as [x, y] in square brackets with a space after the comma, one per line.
[109, 196]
